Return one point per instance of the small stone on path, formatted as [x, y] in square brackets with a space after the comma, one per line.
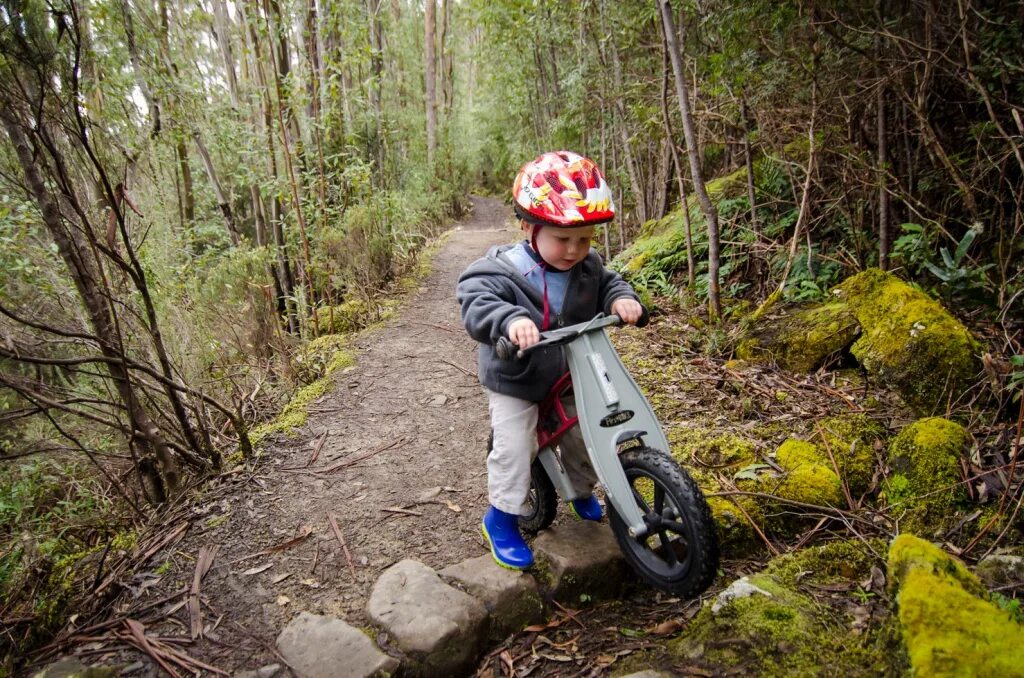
[321, 647]
[581, 558]
[436, 625]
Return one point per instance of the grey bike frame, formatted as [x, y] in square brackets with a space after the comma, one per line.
[605, 396]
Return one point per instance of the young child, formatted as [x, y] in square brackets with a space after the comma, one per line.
[550, 280]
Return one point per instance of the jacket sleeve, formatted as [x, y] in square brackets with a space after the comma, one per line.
[485, 314]
[613, 287]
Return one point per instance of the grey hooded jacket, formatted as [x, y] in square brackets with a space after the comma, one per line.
[493, 293]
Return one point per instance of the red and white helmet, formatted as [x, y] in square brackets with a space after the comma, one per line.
[562, 189]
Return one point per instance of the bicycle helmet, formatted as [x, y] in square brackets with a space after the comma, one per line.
[562, 189]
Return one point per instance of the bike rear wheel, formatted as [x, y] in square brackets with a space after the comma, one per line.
[541, 502]
[679, 553]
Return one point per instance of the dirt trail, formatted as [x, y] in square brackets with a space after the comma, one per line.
[411, 402]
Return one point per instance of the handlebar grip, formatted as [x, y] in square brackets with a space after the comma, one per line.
[645, 318]
[505, 349]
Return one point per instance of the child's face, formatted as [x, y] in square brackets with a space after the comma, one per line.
[562, 248]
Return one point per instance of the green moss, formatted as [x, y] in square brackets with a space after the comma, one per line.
[909, 341]
[852, 438]
[322, 356]
[661, 244]
[735, 533]
[709, 448]
[800, 339]
[925, 463]
[827, 563]
[775, 635]
[809, 478]
[295, 413]
[948, 624]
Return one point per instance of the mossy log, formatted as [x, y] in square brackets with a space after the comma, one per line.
[947, 622]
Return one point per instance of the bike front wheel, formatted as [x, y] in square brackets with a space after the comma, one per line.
[679, 552]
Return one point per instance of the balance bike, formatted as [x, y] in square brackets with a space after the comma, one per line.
[658, 514]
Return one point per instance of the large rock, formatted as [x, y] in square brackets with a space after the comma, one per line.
[511, 597]
[580, 558]
[909, 341]
[949, 625]
[437, 626]
[924, 479]
[322, 647]
[764, 624]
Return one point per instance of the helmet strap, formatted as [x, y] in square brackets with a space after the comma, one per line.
[543, 276]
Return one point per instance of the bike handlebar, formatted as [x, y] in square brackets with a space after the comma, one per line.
[507, 350]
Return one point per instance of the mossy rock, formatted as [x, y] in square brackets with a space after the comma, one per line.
[800, 339]
[809, 477]
[736, 535]
[924, 460]
[1004, 568]
[852, 439]
[775, 631]
[948, 625]
[909, 341]
[828, 563]
[708, 448]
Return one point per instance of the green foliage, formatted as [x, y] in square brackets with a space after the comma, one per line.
[1015, 385]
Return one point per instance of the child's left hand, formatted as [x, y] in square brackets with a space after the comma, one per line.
[628, 309]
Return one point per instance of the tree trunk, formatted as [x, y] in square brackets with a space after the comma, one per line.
[92, 291]
[140, 78]
[801, 218]
[667, 122]
[627, 151]
[883, 182]
[430, 79]
[221, 28]
[755, 223]
[710, 213]
[218, 190]
[376, 33]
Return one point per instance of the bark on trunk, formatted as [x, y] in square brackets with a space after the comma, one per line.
[218, 190]
[430, 79]
[710, 213]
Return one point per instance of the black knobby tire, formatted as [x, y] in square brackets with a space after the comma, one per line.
[680, 553]
[541, 502]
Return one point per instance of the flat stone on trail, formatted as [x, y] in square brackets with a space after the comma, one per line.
[437, 626]
[511, 597]
[320, 647]
[581, 558]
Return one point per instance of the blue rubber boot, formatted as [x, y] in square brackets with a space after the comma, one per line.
[587, 508]
[501, 530]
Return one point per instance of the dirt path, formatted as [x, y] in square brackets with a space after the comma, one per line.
[413, 404]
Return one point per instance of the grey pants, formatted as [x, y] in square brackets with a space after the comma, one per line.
[514, 422]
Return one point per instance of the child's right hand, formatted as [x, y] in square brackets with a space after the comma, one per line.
[523, 333]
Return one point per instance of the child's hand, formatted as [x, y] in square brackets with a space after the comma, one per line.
[628, 309]
[523, 333]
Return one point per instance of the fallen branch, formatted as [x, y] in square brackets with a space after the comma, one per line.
[203, 563]
[344, 546]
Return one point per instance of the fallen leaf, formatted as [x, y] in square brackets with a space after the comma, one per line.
[283, 600]
[280, 578]
[256, 570]
[666, 627]
[453, 506]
